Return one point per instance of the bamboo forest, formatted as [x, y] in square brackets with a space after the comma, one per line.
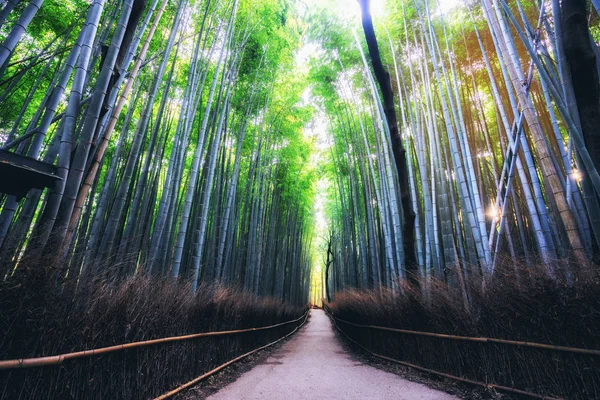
[267, 199]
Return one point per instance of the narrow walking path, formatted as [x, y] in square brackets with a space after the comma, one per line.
[314, 364]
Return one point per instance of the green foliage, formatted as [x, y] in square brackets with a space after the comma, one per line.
[54, 28]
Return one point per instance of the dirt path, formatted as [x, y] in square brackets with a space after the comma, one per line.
[313, 365]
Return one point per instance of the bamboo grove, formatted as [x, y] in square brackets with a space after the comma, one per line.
[461, 140]
[501, 160]
[176, 127]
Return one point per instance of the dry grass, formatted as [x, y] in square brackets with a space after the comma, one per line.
[37, 319]
[533, 308]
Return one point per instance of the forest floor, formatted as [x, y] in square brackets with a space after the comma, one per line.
[313, 364]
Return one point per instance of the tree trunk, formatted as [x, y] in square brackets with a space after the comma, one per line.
[383, 78]
[584, 73]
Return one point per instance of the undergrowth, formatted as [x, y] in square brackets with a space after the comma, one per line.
[533, 308]
[39, 318]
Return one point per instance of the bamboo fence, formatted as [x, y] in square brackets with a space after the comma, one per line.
[59, 359]
[228, 363]
[573, 350]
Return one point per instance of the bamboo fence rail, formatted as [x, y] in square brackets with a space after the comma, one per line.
[474, 339]
[228, 363]
[59, 359]
[459, 338]
[453, 377]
